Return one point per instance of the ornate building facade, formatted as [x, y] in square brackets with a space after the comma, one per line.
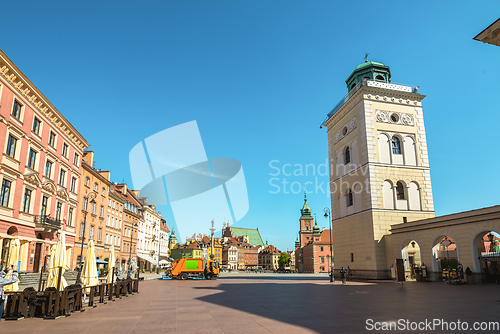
[40, 170]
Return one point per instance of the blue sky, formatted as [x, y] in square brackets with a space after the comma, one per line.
[259, 78]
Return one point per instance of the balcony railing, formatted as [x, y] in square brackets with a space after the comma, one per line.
[46, 224]
[371, 83]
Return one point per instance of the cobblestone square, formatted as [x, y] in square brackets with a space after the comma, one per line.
[275, 303]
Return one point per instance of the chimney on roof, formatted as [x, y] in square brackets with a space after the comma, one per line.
[106, 174]
[125, 189]
[88, 158]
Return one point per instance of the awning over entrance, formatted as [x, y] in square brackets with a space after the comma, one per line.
[148, 258]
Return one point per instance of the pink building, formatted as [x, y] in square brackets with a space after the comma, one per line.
[312, 248]
[40, 168]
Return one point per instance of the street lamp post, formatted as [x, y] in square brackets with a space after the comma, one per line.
[90, 196]
[159, 250]
[130, 252]
[327, 215]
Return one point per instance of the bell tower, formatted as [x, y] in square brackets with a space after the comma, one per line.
[306, 223]
[379, 167]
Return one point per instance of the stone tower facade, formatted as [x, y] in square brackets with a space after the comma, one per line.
[306, 224]
[379, 167]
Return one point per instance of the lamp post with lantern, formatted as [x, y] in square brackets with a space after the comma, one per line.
[327, 215]
[92, 195]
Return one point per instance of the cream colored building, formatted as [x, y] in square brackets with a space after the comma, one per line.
[379, 167]
[148, 236]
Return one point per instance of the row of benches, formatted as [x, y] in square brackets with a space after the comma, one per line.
[51, 304]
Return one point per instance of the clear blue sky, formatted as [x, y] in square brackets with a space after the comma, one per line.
[259, 78]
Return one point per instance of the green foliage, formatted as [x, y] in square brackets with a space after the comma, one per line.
[283, 260]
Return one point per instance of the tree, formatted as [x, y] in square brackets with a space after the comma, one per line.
[283, 260]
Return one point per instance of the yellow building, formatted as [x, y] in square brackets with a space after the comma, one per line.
[379, 167]
[206, 241]
[92, 209]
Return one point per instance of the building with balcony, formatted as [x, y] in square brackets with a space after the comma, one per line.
[114, 224]
[92, 212]
[40, 170]
[133, 216]
[149, 236]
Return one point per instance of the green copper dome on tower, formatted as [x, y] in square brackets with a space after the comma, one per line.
[370, 70]
[316, 228]
[297, 242]
[306, 210]
[172, 234]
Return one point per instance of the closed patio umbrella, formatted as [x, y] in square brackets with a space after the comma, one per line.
[89, 272]
[111, 264]
[50, 265]
[59, 260]
[15, 245]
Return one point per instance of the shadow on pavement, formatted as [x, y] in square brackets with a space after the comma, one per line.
[334, 308]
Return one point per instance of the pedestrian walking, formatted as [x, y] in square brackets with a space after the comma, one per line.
[349, 273]
[343, 275]
[6, 281]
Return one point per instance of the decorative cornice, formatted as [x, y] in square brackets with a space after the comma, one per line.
[25, 88]
[375, 94]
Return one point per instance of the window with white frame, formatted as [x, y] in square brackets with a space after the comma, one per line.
[27, 200]
[37, 125]
[58, 211]
[52, 139]
[62, 177]
[48, 169]
[16, 109]
[32, 159]
[73, 184]
[11, 146]
[65, 150]
[76, 159]
[5, 192]
[70, 217]
[87, 181]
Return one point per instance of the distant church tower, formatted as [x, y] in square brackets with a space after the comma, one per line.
[306, 223]
[379, 165]
[172, 240]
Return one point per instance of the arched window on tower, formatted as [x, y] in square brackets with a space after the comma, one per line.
[349, 198]
[400, 191]
[379, 77]
[396, 145]
[347, 155]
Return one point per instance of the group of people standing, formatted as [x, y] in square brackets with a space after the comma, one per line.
[345, 274]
